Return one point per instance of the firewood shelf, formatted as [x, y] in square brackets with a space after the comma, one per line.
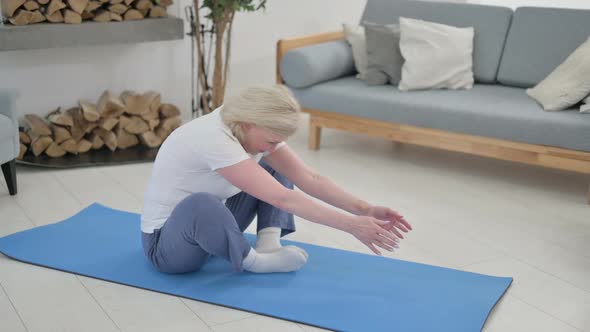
[100, 157]
[56, 35]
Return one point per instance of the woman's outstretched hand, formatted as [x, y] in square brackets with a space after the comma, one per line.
[372, 233]
[394, 221]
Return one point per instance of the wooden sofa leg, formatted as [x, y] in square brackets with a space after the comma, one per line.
[315, 133]
[9, 170]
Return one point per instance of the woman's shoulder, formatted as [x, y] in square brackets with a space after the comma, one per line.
[204, 124]
[205, 131]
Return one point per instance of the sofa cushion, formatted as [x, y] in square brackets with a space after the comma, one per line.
[438, 56]
[309, 65]
[384, 57]
[355, 36]
[486, 110]
[490, 24]
[538, 41]
[568, 84]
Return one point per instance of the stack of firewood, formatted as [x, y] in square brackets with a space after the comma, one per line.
[21, 12]
[114, 122]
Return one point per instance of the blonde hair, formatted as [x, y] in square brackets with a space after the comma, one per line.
[272, 108]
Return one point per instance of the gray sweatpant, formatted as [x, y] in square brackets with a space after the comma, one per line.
[201, 226]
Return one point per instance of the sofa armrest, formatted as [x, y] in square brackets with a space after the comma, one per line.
[287, 44]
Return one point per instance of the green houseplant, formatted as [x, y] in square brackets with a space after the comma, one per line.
[220, 14]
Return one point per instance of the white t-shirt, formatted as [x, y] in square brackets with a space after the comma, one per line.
[186, 164]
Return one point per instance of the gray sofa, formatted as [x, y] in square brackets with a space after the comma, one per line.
[9, 138]
[513, 50]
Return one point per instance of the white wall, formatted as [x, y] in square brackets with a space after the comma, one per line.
[50, 78]
[256, 34]
[585, 4]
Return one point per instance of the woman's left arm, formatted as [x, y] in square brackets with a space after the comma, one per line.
[287, 163]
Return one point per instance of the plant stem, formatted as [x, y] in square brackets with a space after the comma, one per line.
[203, 81]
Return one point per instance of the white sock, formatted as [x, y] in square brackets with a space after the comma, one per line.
[268, 240]
[287, 259]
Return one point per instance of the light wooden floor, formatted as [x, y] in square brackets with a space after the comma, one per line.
[468, 212]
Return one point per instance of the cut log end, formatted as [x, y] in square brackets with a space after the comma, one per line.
[125, 139]
[158, 11]
[31, 5]
[132, 14]
[56, 17]
[169, 110]
[9, 7]
[22, 17]
[38, 125]
[60, 134]
[59, 118]
[24, 138]
[167, 126]
[153, 124]
[143, 4]
[84, 146]
[102, 16]
[71, 17]
[116, 17]
[108, 123]
[96, 141]
[54, 150]
[109, 105]
[118, 8]
[39, 145]
[55, 6]
[22, 151]
[70, 146]
[91, 6]
[87, 16]
[150, 139]
[110, 140]
[137, 103]
[77, 5]
[80, 124]
[89, 111]
[37, 17]
[137, 125]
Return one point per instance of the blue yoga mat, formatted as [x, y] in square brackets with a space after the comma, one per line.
[336, 289]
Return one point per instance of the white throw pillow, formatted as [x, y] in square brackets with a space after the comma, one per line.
[585, 108]
[437, 56]
[567, 84]
[355, 36]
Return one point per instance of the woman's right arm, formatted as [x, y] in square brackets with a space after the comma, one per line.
[253, 179]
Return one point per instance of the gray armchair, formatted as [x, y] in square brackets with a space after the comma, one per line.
[9, 138]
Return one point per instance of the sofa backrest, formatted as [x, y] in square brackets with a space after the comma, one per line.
[490, 23]
[538, 41]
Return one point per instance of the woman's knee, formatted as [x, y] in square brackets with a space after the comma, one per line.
[193, 208]
[208, 212]
[278, 176]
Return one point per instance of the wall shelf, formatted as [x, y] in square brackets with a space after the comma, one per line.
[57, 35]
